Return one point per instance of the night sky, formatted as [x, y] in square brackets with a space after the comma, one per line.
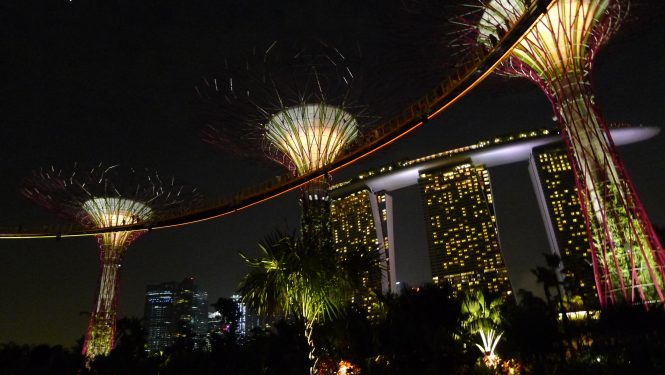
[91, 81]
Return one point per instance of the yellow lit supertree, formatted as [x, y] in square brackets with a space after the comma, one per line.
[106, 197]
[557, 54]
[294, 106]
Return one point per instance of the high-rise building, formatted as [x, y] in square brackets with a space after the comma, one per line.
[462, 234]
[159, 315]
[176, 312]
[473, 244]
[354, 231]
[357, 232]
[248, 319]
[191, 308]
[554, 181]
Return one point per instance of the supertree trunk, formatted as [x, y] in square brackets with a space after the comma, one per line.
[627, 257]
[100, 336]
[316, 229]
[557, 54]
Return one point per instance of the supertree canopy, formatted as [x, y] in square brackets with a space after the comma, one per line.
[298, 106]
[310, 135]
[557, 54]
[104, 197]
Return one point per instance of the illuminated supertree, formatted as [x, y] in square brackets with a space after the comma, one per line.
[104, 197]
[298, 109]
[557, 53]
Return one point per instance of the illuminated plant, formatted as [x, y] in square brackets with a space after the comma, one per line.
[290, 278]
[557, 54]
[347, 368]
[483, 317]
[489, 343]
[105, 197]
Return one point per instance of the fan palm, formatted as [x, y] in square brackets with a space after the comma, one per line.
[290, 278]
[481, 314]
[483, 317]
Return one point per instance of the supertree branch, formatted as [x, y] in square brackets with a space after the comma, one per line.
[104, 197]
[296, 107]
[298, 111]
[557, 54]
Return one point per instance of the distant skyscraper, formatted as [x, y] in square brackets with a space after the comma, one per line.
[191, 308]
[159, 315]
[248, 319]
[176, 312]
[554, 182]
[461, 228]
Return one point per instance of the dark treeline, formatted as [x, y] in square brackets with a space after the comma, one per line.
[417, 332]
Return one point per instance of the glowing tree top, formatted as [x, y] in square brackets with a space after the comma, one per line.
[105, 197]
[557, 53]
[296, 104]
[310, 135]
[564, 40]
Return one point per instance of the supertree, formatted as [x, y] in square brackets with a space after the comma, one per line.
[106, 197]
[297, 107]
[557, 54]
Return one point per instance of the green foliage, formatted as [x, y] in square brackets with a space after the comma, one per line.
[230, 312]
[625, 251]
[291, 278]
[419, 334]
[531, 331]
[481, 314]
[38, 359]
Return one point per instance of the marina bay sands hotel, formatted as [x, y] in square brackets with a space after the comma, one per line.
[456, 194]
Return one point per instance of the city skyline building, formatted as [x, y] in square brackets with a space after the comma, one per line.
[554, 184]
[248, 319]
[376, 185]
[191, 309]
[159, 319]
[462, 234]
[176, 312]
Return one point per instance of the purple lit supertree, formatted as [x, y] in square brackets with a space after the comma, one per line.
[296, 107]
[557, 54]
[105, 197]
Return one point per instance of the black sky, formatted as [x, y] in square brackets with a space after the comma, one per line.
[113, 81]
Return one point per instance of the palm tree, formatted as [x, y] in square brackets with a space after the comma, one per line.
[546, 277]
[483, 317]
[290, 278]
[230, 312]
[554, 263]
